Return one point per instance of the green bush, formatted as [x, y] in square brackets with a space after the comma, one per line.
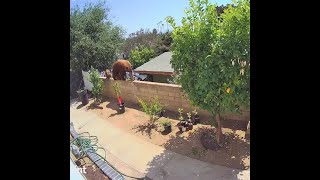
[140, 56]
[165, 122]
[152, 109]
[97, 84]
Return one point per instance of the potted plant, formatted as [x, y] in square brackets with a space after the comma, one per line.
[121, 107]
[166, 124]
[196, 117]
[189, 122]
[181, 124]
[83, 95]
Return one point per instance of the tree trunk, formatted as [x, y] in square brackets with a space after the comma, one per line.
[218, 129]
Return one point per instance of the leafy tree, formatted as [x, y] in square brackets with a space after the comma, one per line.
[159, 42]
[220, 9]
[94, 39]
[140, 38]
[140, 56]
[163, 43]
[212, 57]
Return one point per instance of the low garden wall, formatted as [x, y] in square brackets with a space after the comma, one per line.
[170, 95]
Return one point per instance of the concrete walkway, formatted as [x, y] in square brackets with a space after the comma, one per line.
[136, 157]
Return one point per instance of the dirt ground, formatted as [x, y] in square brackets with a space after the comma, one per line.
[235, 155]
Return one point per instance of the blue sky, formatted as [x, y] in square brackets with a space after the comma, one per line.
[133, 15]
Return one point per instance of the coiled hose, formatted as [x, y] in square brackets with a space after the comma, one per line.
[89, 143]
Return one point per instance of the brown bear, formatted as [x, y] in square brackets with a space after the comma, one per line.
[119, 69]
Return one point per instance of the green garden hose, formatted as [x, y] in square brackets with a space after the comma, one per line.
[89, 143]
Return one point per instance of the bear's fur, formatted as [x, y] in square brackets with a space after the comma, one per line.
[119, 69]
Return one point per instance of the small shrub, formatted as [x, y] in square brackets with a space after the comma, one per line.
[152, 109]
[180, 114]
[97, 84]
[189, 115]
[165, 122]
[116, 89]
[194, 112]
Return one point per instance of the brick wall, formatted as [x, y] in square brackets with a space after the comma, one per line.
[169, 94]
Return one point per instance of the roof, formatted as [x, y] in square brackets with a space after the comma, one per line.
[158, 65]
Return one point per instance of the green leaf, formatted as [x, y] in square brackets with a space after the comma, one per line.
[203, 47]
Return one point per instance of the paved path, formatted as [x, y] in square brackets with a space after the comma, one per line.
[136, 157]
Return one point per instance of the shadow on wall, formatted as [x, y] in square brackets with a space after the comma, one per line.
[174, 166]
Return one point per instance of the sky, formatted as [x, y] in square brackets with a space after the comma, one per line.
[133, 15]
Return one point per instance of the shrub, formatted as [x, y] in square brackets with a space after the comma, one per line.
[140, 56]
[97, 84]
[189, 115]
[195, 112]
[152, 109]
[165, 122]
[180, 114]
[116, 88]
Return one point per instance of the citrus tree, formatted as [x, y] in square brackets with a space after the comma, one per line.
[211, 55]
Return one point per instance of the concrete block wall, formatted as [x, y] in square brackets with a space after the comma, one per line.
[170, 95]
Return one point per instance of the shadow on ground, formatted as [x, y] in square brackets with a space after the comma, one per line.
[77, 102]
[168, 166]
[94, 106]
[145, 128]
[74, 102]
[233, 154]
[113, 103]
